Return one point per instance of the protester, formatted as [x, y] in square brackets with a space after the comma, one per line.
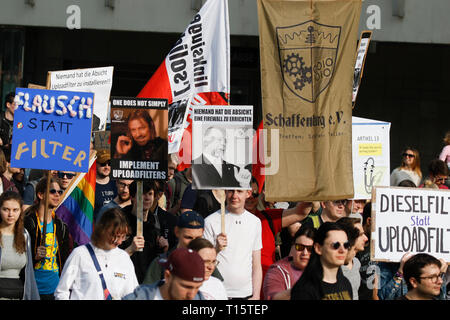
[357, 240]
[178, 185]
[153, 241]
[99, 270]
[212, 288]
[50, 254]
[122, 199]
[354, 208]
[19, 179]
[6, 183]
[272, 222]
[29, 194]
[105, 187]
[65, 178]
[283, 274]
[322, 278]
[15, 251]
[201, 201]
[409, 168]
[424, 277]
[332, 211]
[7, 121]
[190, 226]
[183, 276]
[239, 248]
[437, 175]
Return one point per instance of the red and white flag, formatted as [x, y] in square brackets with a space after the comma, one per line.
[196, 71]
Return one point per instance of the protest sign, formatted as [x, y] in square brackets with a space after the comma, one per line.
[371, 156]
[102, 140]
[412, 220]
[361, 54]
[307, 50]
[52, 130]
[139, 138]
[222, 147]
[96, 80]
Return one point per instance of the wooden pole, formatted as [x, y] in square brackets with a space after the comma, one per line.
[140, 209]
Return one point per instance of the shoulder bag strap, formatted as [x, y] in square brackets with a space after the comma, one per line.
[106, 293]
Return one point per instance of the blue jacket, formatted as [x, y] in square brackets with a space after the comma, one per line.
[30, 290]
[148, 292]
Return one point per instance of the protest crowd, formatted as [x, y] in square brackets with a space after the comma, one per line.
[151, 229]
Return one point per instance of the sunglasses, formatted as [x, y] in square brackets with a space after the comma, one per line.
[107, 163]
[339, 202]
[336, 245]
[409, 155]
[61, 175]
[54, 191]
[301, 247]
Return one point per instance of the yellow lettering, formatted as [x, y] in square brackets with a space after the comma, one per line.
[43, 149]
[33, 149]
[67, 153]
[21, 149]
[54, 143]
[81, 156]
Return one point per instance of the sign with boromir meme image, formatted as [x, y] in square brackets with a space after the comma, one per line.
[139, 138]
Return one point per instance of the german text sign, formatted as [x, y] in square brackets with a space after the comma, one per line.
[52, 130]
[412, 220]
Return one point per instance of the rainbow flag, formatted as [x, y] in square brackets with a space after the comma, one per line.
[77, 207]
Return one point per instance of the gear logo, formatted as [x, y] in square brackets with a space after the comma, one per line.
[308, 53]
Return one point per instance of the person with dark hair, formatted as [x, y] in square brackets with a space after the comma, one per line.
[424, 277]
[212, 288]
[331, 211]
[322, 278]
[105, 187]
[157, 230]
[183, 276]
[15, 252]
[7, 120]
[6, 172]
[357, 239]
[407, 183]
[283, 274]
[437, 174]
[122, 199]
[99, 270]
[140, 141]
[50, 253]
[408, 169]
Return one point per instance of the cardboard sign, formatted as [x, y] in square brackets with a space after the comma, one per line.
[414, 220]
[96, 80]
[102, 140]
[52, 130]
[371, 156]
[139, 138]
[222, 140]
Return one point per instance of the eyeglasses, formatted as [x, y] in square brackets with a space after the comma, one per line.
[61, 175]
[440, 179]
[123, 185]
[301, 247]
[107, 163]
[120, 237]
[54, 191]
[339, 202]
[213, 263]
[409, 155]
[336, 245]
[434, 278]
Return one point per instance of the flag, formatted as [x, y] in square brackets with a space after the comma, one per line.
[307, 50]
[196, 71]
[258, 154]
[77, 207]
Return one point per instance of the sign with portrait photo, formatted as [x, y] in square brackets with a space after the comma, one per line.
[52, 130]
[139, 138]
[222, 144]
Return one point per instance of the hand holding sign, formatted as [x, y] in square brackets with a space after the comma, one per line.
[124, 144]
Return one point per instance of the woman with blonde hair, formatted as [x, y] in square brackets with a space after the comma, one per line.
[15, 252]
[409, 168]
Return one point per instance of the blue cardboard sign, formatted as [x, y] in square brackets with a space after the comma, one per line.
[52, 130]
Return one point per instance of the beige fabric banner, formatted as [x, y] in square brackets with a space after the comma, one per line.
[307, 53]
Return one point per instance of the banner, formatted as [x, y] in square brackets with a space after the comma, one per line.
[52, 130]
[222, 147]
[96, 80]
[363, 47]
[371, 156]
[138, 138]
[307, 51]
[195, 72]
[414, 220]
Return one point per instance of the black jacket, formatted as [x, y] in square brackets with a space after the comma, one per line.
[6, 127]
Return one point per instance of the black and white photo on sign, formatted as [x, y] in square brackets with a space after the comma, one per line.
[222, 147]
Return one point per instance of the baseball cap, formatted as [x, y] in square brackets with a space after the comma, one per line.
[186, 264]
[103, 156]
[191, 220]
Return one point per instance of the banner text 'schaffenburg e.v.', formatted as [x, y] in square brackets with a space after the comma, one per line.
[307, 61]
